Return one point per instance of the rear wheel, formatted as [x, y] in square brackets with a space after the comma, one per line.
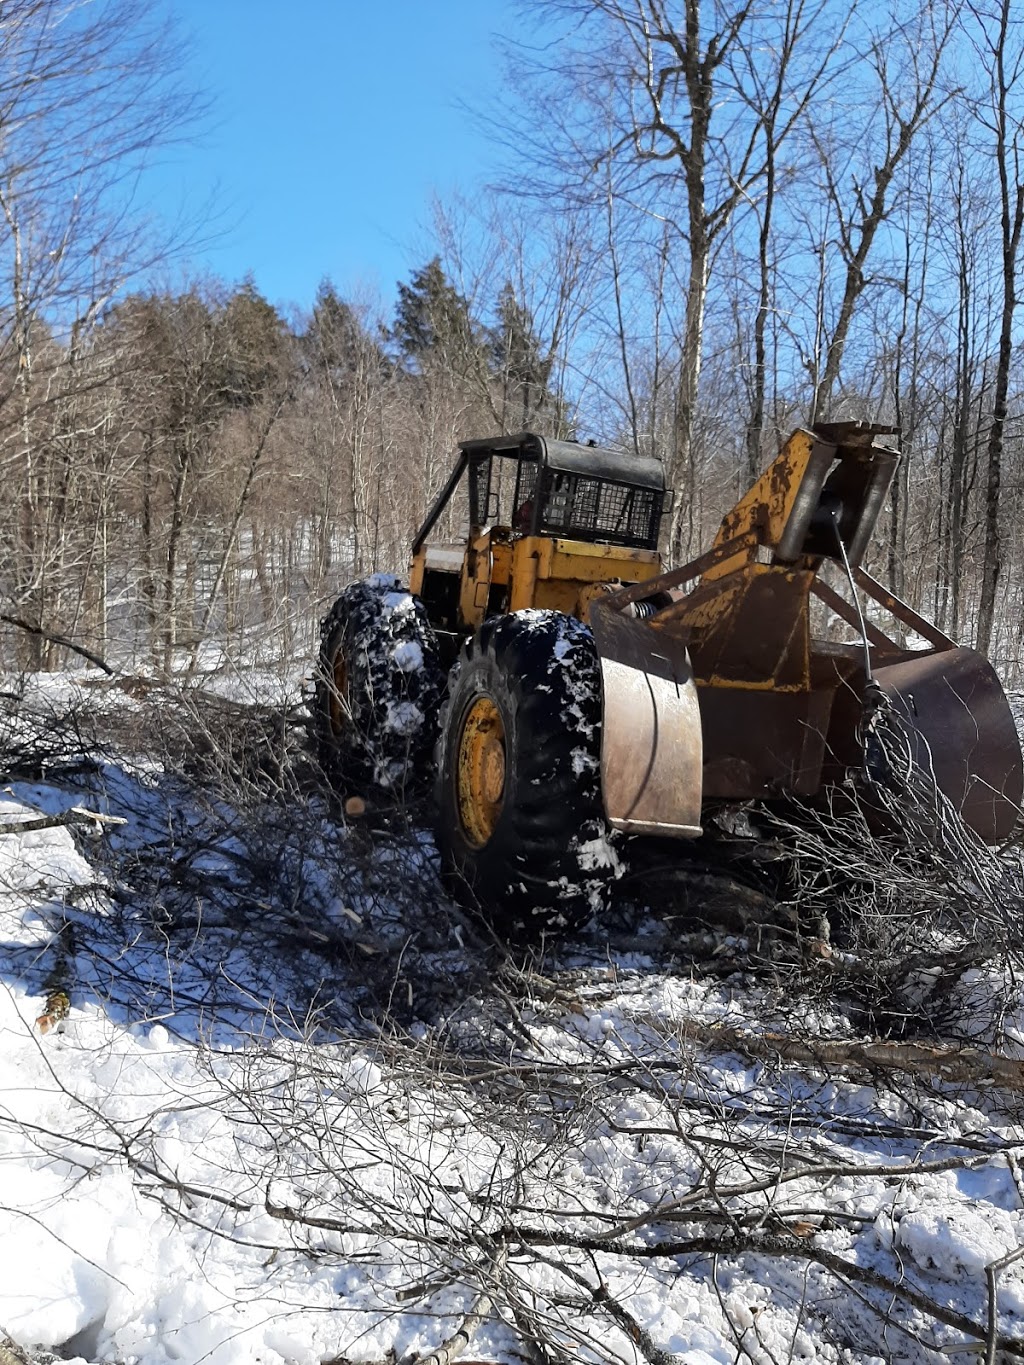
[379, 684]
[521, 827]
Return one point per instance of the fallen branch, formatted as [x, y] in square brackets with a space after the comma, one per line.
[479, 1311]
[56, 639]
[774, 1245]
[992, 1271]
[75, 815]
[963, 1064]
[11, 1353]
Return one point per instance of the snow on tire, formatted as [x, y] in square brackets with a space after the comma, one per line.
[379, 684]
[521, 826]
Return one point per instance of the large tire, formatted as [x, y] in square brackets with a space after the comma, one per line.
[379, 685]
[521, 828]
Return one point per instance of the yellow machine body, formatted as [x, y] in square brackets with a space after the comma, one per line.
[501, 572]
[550, 525]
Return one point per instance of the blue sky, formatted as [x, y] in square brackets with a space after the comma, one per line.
[334, 122]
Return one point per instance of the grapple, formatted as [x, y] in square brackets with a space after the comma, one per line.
[717, 688]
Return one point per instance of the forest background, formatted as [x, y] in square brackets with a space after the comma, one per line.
[710, 222]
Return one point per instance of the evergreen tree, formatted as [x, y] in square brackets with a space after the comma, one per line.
[516, 355]
[433, 323]
[256, 345]
[336, 340]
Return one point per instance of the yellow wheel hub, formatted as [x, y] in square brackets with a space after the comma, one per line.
[480, 771]
[338, 701]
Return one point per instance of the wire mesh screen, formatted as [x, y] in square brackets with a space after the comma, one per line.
[479, 491]
[592, 509]
[525, 495]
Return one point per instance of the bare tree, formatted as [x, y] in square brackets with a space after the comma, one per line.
[779, 98]
[905, 62]
[88, 93]
[963, 239]
[685, 122]
[996, 36]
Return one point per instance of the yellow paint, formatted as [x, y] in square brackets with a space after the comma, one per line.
[480, 771]
[552, 573]
[715, 617]
[501, 562]
[764, 685]
[766, 508]
[487, 561]
[539, 571]
[583, 563]
[417, 571]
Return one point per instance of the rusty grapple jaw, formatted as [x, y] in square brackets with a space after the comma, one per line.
[939, 729]
[840, 497]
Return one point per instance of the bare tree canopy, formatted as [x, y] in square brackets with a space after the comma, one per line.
[714, 221]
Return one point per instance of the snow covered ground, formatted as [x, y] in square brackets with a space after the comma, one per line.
[297, 1112]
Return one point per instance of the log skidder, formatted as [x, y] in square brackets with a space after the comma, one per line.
[520, 825]
[597, 692]
[379, 684]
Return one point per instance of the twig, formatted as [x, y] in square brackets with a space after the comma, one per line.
[774, 1245]
[992, 1271]
[637, 1333]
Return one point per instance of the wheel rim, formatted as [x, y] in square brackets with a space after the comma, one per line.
[480, 771]
[337, 706]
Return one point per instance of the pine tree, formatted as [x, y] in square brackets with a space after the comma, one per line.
[337, 340]
[256, 345]
[522, 369]
[433, 323]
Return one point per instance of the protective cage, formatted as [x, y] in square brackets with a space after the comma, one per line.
[565, 489]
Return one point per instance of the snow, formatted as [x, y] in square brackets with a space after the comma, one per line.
[598, 852]
[403, 718]
[408, 655]
[959, 1242]
[292, 1113]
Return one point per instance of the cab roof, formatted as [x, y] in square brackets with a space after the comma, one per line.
[570, 457]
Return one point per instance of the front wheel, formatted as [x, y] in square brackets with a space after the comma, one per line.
[379, 683]
[521, 827]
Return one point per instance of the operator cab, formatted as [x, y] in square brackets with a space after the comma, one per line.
[548, 521]
[566, 489]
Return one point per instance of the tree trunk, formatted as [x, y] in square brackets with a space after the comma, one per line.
[1011, 219]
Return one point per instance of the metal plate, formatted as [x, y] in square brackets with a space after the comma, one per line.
[959, 716]
[651, 747]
